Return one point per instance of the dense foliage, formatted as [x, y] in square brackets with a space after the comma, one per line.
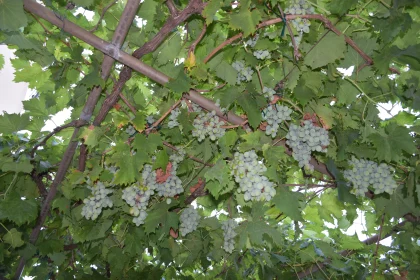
[260, 180]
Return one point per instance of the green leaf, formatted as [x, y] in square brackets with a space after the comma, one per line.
[10, 123]
[36, 107]
[226, 143]
[247, 101]
[340, 8]
[226, 72]
[131, 243]
[139, 122]
[329, 49]
[129, 165]
[92, 134]
[8, 164]
[87, 230]
[17, 210]
[159, 216]
[23, 42]
[180, 84]
[392, 142]
[254, 140]
[161, 161]
[290, 203]
[14, 238]
[84, 3]
[12, 15]
[220, 172]
[351, 242]
[245, 20]
[1, 61]
[210, 10]
[253, 233]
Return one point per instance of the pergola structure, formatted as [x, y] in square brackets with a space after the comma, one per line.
[113, 53]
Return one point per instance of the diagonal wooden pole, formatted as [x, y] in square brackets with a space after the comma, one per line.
[129, 13]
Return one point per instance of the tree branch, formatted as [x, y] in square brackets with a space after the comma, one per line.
[190, 157]
[33, 7]
[197, 193]
[173, 10]
[345, 253]
[75, 123]
[326, 22]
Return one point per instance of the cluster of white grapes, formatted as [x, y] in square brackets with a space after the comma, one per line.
[138, 196]
[150, 120]
[229, 234]
[367, 173]
[177, 156]
[252, 41]
[274, 115]
[269, 93]
[305, 139]
[189, 220]
[130, 130]
[173, 118]
[300, 7]
[260, 54]
[248, 170]
[208, 124]
[244, 73]
[96, 201]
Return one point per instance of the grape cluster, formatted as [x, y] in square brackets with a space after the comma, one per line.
[269, 93]
[252, 41]
[229, 234]
[130, 130]
[177, 157]
[260, 54]
[244, 73]
[247, 170]
[367, 173]
[300, 7]
[150, 120]
[189, 220]
[96, 201]
[173, 118]
[138, 196]
[208, 124]
[305, 139]
[274, 115]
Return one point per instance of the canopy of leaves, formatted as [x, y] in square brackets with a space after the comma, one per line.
[303, 231]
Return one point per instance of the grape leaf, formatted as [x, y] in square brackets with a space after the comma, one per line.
[14, 238]
[245, 20]
[92, 134]
[226, 72]
[10, 123]
[392, 142]
[28, 209]
[289, 203]
[329, 49]
[247, 102]
[23, 166]
[159, 216]
[253, 232]
[1, 61]
[12, 15]
[84, 3]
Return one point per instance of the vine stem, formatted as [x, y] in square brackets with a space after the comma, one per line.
[102, 15]
[156, 123]
[375, 256]
[328, 24]
[296, 53]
